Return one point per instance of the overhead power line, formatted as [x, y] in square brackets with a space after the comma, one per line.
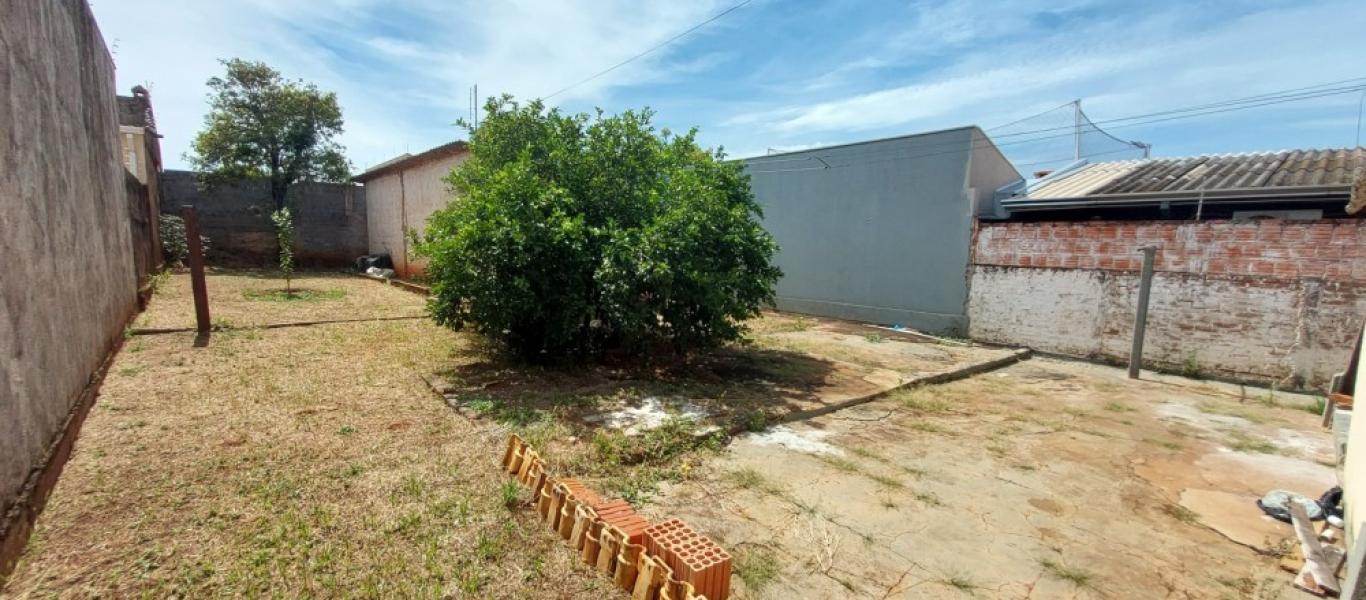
[1224, 106]
[1261, 100]
[1254, 98]
[1144, 119]
[651, 49]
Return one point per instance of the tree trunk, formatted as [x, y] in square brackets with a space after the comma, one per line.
[279, 190]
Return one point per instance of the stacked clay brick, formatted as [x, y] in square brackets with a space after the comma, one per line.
[665, 562]
[691, 556]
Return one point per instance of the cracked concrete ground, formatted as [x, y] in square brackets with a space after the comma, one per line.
[1047, 479]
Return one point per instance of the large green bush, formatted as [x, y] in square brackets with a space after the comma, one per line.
[573, 236]
[171, 231]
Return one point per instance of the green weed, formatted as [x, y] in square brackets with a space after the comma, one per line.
[757, 566]
[1242, 442]
[510, 495]
[1060, 570]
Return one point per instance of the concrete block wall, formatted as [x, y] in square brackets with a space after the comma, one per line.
[329, 219]
[69, 285]
[1265, 301]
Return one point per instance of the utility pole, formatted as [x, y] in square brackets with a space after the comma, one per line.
[1145, 286]
[1076, 134]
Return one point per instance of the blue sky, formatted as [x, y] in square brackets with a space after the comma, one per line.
[775, 74]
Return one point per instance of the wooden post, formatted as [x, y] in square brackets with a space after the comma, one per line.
[201, 291]
[1145, 285]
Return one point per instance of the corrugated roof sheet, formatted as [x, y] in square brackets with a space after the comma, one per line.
[1259, 171]
[1084, 180]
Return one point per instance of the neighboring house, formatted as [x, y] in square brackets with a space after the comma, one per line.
[138, 137]
[401, 194]
[1260, 268]
[140, 151]
[880, 231]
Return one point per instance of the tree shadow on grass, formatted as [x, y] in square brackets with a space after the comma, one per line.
[275, 274]
[730, 383]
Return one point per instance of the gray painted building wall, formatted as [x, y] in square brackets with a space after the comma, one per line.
[879, 231]
[69, 285]
[329, 219]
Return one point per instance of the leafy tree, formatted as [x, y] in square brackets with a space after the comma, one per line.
[573, 234]
[261, 125]
[284, 232]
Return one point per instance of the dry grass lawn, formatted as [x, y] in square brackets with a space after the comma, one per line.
[315, 461]
[256, 298]
[307, 461]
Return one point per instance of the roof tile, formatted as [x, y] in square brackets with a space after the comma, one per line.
[1332, 167]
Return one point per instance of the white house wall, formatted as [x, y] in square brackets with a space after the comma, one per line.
[404, 200]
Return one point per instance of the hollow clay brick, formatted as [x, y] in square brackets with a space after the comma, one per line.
[693, 558]
[583, 517]
[591, 544]
[609, 540]
[514, 445]
[543, 501]
[565, 526]
[629, 560]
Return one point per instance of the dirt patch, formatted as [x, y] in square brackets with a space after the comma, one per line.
[1047, 479]
[1235, 517]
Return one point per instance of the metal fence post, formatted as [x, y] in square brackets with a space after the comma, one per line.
[1145, 285]
[201, 291]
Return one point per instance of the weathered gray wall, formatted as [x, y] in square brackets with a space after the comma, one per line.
[146, 250]
[329, 219]
[883, 233]
[68, 285]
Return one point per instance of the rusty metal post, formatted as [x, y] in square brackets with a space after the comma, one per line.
[201, 291]
[1145, 285]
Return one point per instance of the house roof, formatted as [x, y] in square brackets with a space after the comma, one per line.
[406, 161]
[858, 143]
[1288, 173]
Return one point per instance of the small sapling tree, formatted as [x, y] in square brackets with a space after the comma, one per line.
[284, 232]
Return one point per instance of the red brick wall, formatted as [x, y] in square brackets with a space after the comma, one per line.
[1332, 249]
[1268, 301]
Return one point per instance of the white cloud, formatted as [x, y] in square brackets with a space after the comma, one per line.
[401, 71]
[991, 71]
[920, 101]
